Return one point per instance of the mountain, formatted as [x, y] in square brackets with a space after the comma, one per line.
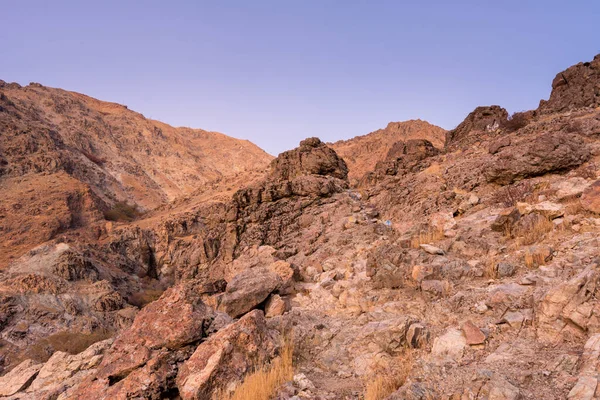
[65, 158]
[363, 152]
[463, 271]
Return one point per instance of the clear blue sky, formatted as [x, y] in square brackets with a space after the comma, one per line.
[276, 72]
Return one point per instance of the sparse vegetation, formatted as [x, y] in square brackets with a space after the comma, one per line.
[386, 381]
[263, 383]
[534, 259]
[144, 297]
[509, 196]
[533, 231]
[122, 212]
[427, 236]
[66, 341]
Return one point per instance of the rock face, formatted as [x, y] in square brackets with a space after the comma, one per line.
[247, 290]
[226, 357]
[19, 378]
[576, 87]
[478, 122]
[362, 153]
[546, 153]
[312, 157]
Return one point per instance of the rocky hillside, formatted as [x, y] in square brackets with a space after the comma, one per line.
[465, 272]
[363, 152]
[66, 158]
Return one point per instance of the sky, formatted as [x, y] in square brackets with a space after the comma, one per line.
[276, 72]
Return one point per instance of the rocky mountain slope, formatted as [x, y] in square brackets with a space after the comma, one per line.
[464, 272]
[65, 158]
[363, 152]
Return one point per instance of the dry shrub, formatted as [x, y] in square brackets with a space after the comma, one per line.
[122, 212]
[534, 259]
[68, 342]
[144, 297]
[491, 271]
[387, 381]
[534, 231]
[509, 196]
[516, 121]
[263, 383]
[427, 236]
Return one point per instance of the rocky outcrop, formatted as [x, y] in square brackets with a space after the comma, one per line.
[545, 153]
[481, 121]
[576, 87]
[247, 290]
[226, 357]
[312, 157]
[362, 153]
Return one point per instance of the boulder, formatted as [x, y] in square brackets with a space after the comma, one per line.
[226, 357]
[590, 199]
[275, 306]
[550, 152]
[473, 334]
[450, 346]
[247, 290]
[312, 157]
[19, 377]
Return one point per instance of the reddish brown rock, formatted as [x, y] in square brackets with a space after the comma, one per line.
[247, 290]
[590, 199]
[472, 333]
[226, 357]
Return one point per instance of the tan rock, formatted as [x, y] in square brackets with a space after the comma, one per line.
[19, 377]
[432, 249]
[275, 306]
[226, 357]
[247, 290]
[590, 199]
[450, 345]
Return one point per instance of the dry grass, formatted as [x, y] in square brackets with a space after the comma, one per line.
[534, 232]
[68, 342]
[430, 235]
[122, 211]
[263, 383]
[534, 259]
[491, 268]
[387, 381]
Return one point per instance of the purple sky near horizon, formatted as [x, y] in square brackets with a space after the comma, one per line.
[275, 72]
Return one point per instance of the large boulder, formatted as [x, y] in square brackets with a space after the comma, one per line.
[247, 290]
[178, 318]
[226, 357]
[552, 152]
[576, 87]
[312, 157]
[19, 377]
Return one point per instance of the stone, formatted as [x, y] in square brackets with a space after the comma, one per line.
[436, 288]
[473, 334]
[590, 199]
[302, 382]
[498, 388]
[451, 345]
[417, 336]
[275, 306]
[584, 389]
[19, 377]
[504, 269]
[545, 208]
[432, 249]
[226, 357]
[247, 290]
